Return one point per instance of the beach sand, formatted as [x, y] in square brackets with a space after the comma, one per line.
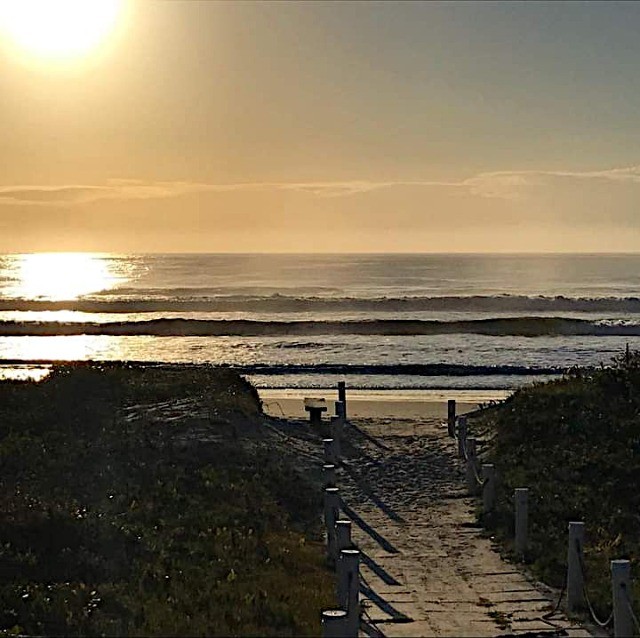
[427, 568]
[367, 404]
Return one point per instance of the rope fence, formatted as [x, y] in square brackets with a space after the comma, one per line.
[622, 616]
[343, 556]
[594, 616]
[344, 621]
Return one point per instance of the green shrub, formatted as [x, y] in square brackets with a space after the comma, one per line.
[112, 524]
[575, 443]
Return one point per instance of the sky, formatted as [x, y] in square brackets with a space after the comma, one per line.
[328, 127]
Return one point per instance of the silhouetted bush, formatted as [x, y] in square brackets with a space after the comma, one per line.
[575, 443]
[112, 523]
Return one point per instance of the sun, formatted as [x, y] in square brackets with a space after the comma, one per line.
[58, 29]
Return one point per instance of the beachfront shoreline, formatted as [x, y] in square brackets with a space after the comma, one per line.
[401, 404]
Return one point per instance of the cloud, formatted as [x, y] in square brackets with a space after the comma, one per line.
[517, 184]
[507, 210]
[128, 189]
[506, 185]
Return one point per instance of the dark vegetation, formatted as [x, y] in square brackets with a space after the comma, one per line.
[575, 443]
[150, 501]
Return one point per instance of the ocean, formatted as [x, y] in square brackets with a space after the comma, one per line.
[483, 324]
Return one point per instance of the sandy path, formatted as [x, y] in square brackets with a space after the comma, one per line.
[427, 569]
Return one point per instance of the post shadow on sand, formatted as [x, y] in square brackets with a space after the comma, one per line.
[365, 527]
[370, 629]
[396, 616]
[371, 495]
[378, 570]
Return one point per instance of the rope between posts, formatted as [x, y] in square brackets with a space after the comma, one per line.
[464, 450]
[594, 616]
[268, 403]
[479, 480]
[549, 614]
[630, 607]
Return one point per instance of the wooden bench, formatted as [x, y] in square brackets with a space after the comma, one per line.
[315, 408]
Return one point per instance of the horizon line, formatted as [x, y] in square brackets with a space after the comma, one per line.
[328, 254]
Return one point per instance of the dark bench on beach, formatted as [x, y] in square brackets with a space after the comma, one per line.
[315, 408]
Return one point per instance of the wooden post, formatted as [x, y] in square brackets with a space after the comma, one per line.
[335, 430]
[331, 513]
[462, 436]
[489, 488]
[328, 475]
[349, 587]
[343, 534]
[575, 577]
[342, 396]
[472, 463]
[621, 585]
[315, 418]
[334, 623]
[339, 408]
[521, 499]
[451, 417]
[330, 456]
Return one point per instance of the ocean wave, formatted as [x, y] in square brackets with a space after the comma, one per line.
[404, 369]
[510, 326]
[285, 303]
[319, 372]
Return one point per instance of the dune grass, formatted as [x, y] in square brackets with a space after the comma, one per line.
[112, 523]
[575, 443]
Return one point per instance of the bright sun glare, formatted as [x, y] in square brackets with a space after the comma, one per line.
[59, 29]
[57, 276]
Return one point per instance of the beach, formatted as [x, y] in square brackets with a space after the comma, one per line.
[427, 567]
[363, 404]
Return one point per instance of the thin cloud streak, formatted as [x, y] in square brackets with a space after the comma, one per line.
[500, 185]
[138, 189]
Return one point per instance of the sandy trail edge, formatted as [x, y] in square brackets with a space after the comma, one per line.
[427, 568]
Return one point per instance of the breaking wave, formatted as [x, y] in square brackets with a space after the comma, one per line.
[510, 326]
[406, 369]
[285, 303]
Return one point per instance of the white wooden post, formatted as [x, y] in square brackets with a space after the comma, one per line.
[521, 499]
[330, 456]
[334, 623]
[343, 534]
[575, 577]
[451, 417]
[489, 488]
[472, 462]
[462, 436]
[328, 475]
[349, 587]
[621, 585]
[331, 513]
[342, 397]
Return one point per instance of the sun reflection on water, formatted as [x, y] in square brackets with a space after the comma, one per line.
[62, 276]
[59, 348]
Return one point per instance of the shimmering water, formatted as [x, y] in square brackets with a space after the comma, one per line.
[477, 313]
